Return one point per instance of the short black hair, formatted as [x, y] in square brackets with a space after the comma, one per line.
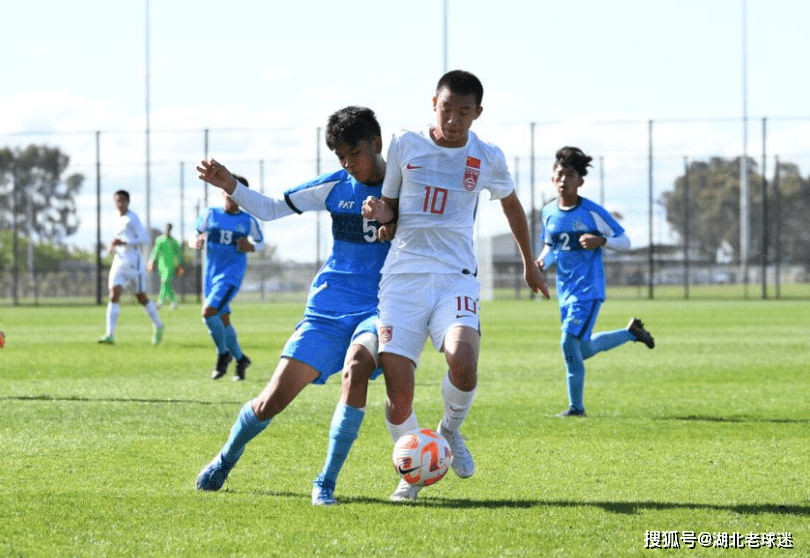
[242, 179]
[574, 158]
[462, 82]
[123, 193]
[351, 125]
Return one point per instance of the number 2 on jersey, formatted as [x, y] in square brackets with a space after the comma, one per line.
[435, 200]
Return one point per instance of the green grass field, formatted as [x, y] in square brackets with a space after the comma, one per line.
[709, 433]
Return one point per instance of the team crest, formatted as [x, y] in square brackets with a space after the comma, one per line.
[386, 333]
[471, 173]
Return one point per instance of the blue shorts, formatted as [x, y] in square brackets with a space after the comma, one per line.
[220, 296]
[578, 318]
[322, 342]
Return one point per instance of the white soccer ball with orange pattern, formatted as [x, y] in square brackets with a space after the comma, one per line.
[422, 457]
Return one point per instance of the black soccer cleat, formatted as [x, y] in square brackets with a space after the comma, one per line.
[636, 328]
[572, 412]
[241, 366]
[221, 368]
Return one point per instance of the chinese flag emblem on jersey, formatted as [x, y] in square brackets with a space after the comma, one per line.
[471, 172]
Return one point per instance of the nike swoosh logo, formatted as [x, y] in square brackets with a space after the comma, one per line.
[406, 471]
[411, 167]
[464, 316]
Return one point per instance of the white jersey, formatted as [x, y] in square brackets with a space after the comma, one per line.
[438, 191]
[129, 229]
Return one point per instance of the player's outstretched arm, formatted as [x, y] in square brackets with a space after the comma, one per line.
[216, 174]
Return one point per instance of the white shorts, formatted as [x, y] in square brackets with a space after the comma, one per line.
[122, 274]
[413, 306]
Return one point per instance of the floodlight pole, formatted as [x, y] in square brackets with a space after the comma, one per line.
[744, 193]
[98, 217]
[764, 214]
[651, 261]
[686, 226]
[146, 80]
[444, 7]
[318, 213]
[532, 213]
[602, 181]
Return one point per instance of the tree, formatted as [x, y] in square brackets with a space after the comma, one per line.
[33, 191]
[47, 257]
[714, 209]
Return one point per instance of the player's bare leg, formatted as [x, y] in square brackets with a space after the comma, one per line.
[461, 347]
[399, 374]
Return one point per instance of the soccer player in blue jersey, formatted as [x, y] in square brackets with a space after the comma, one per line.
[338, 330]
[228, 234]
[574, 231]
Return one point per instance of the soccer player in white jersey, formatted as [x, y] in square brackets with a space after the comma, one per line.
[128, 267]
[337, 332]
[574, 231]
[432, 183]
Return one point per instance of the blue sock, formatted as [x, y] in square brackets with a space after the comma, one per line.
[246, 427]
[232, 343]
[345, 427]
[217, 331]
[605, 341]
[575, 370]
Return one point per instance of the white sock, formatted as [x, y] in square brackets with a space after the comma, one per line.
[112, 317]
[150, 309]
[397, 430]
[457, 404]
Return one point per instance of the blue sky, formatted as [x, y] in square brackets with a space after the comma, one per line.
[571, 67]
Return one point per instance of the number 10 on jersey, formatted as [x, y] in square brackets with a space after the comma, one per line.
[435, 200]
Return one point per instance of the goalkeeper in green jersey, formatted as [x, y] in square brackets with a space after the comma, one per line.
[169, 257]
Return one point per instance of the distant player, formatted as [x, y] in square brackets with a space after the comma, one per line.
[337, 331]
[574, 231]
[228, 234]
[169, 258]
[128, 268]
[429, 287]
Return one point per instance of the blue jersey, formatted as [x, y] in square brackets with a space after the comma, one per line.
[348, 281]
[580, 272]
[224, 262]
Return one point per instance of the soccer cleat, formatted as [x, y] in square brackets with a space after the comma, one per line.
[572, 412]
[405, 492]
[174, 306]
[241, 366]
[636, 328]
[323, 492]
[107, 340]
[221, 368]
[463, 464]
[213, 475]
[157, 334]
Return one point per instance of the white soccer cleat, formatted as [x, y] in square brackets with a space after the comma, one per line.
[463, 464]
[405, 492]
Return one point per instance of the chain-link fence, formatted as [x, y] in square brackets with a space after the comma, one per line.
[637, 165]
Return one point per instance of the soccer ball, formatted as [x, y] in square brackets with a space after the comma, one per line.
[422, 457]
